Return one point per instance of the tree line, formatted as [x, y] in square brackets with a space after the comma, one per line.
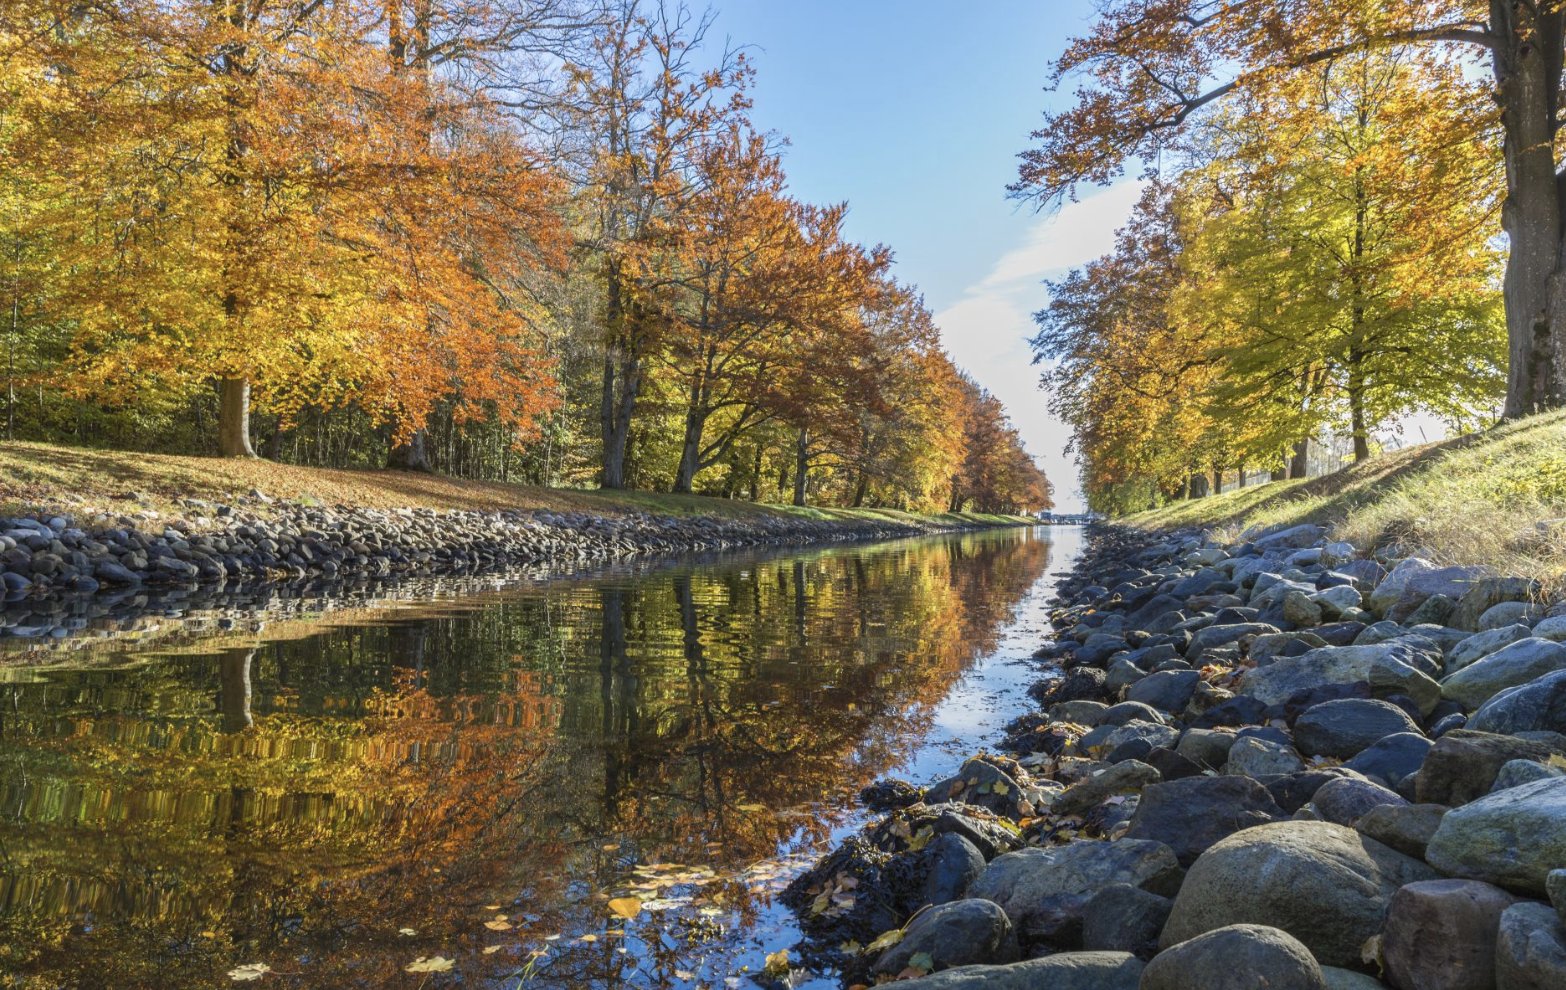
[1349, 216]
[536, 240]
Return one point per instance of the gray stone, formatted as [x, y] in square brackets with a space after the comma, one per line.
[1553, 628]
[1294, 538]
[1337, 600]
[1347, 726]
[1463, 764]
[1130, 711]
[1516, 663]
[1155, 734]
[1419, 578]
[1301, 609]
[1123, 918]
[1483, 644]
[1510, 613]
[1441, 934]
[1392, 758]
[1407, 828]
[1259, 758]
[1512, 838]
[955, 934]
[1381, 665]
[1062, 971]
[1088, 793]
[1555, 886]
[1345, 800]
[1043, 891]
[1190, 815]
[952, 863]
[1488, 592]
[1170, 690]
[1208, 747]
[1213, 637]
[1348, 979]
[1530, 950]
[1515, 772]
[1539, 705]
[1081, 712]
[1236, 957]
[1326, 885]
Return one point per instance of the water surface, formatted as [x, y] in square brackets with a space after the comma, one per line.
[588, 782]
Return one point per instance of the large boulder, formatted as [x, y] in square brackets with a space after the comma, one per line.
[1408, 828]
[1344, 728]
[951, 863]
[1512, 838]
[1326, 885]
[954, 934]
[1532, 707]
[1530, 950]
[1123, 918]
[1386, 667]
[1294, 538]
[1483, 644]
[1440, 935]
[1414, 578]
[1392, 758]
[1062, 971]
[1236, 957]
[1516, 663]
[1253, 756]
[1169, 690]
[1122, 778]
[1345, 800]
[1192, 814]
[1212, 637]
[1463, 764]
[1488, 592]
[1043, 890]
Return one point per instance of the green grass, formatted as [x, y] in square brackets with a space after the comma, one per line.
[1496, 497]
[35, 475]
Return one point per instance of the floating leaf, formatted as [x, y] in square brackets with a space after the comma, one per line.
[625, 907]
[750, 808]
[248, 972]
[498, 926]
[589, 937]
[777, 963]
[406, 932]
[490, 950]
[429, 964]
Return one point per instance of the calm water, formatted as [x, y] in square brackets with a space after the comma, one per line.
[595, 782]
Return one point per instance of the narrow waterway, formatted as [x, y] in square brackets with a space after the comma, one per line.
[587, 782]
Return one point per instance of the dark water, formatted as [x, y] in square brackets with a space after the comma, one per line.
[595, 782]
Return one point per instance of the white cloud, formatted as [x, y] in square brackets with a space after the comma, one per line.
[987, 330]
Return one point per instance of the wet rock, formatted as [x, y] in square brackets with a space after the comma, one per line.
[954, 934]
[1123, 918]
[952, 863]
[1530, 951]
[1408, 828]
[980, 782]
[1463, 764]
[1512, 838]
[1062, 971]
[1441, 935]
[890, 794]
[1043, 891]
[1346, 727]
[1516, 663]
[1326, 885]
[1193, 814]
[1235, 957]
[1344, 800]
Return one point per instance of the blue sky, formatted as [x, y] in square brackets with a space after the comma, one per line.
[914, 111]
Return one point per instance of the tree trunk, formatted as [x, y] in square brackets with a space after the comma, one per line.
[861, 489]
[622, 378]
[234, 418]
[1527, 63]
[755, 476]
[1185, 489]
[234, 689]
[1356, 395]
[413, 455]
[1217, 481]
[1242, 475]
[1300, 462]
[690, 449]
[801, 466]
[1280, 473]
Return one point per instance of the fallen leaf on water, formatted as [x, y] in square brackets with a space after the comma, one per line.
[490, 950]
[751, 808]
[406, 931]
[589, 937]
[248, 972]
[429, 964]
[684, 974]
[625, 907]
[777, 963]
[498, 926]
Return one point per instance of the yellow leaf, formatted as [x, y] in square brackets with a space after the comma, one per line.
[498, 926]
[429, 964]
[885, 940]
[625, 907]
[777, 963]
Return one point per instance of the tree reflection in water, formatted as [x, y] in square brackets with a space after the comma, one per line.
[477, 785]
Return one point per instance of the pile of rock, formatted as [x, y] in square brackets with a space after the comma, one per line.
[257, 538]
[1278, 763]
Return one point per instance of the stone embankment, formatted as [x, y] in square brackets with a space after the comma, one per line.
[49, 558]
[1282, 763]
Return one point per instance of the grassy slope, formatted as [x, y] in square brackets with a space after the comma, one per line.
[33, 474]
[1474, 499]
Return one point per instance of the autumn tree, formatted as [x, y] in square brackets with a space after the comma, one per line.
[1147, 71]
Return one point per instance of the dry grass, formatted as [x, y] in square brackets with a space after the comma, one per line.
[46, 475]
[1493, 498]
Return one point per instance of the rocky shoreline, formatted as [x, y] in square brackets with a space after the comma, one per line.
[1282, 762]
[55, 565]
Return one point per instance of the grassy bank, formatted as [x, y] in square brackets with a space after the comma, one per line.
[36, 475]
[1496, 498]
